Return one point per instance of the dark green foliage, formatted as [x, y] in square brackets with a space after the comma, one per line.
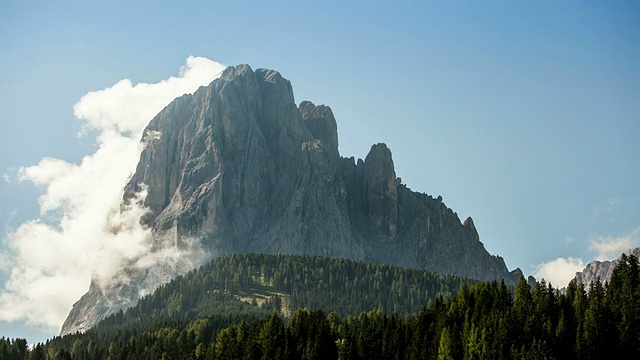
[483, 321]
[312, 282]
[10, 350]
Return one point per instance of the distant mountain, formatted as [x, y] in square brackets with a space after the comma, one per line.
[242, 169]
[601, 269]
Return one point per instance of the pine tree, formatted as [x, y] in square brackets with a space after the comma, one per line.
[623, 298]
[272, 338]
[445, 350]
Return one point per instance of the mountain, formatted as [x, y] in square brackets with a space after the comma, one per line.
[237, 167]
[601, 269]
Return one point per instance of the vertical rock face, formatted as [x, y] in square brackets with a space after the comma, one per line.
[238, 166]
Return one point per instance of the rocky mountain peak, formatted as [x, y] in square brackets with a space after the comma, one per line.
[469, 223]
[601, 269]
[381, 190]
[321, 122]
[379, 163]
[232, 72]
[237, 167]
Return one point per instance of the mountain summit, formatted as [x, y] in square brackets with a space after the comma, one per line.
[240, 168]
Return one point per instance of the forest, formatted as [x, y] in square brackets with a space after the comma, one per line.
[257, 284]
[484, 320]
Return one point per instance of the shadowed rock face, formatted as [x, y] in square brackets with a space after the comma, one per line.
[239, 166]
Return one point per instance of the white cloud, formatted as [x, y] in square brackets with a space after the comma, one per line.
[126, 108]
[5, 177]
[611, 247]
[53, 262]
[558, 272]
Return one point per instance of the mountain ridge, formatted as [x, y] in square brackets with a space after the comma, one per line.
[601, 269]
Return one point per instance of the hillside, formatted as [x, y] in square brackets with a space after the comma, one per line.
[257, 284]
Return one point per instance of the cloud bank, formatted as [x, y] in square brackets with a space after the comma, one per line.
[82, 233]
[558, 272]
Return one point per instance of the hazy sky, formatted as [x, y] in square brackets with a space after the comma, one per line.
[524, 116]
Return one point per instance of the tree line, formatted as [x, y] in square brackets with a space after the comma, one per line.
[285, 283]
[486, 320]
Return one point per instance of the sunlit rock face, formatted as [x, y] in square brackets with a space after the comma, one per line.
[601, 269]
[238, 166]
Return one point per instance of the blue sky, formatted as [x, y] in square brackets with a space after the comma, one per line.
[524, 116]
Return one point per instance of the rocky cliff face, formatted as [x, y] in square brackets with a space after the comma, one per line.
[601, 269]
[238, 166]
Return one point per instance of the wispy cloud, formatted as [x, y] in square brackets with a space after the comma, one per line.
[86, 234]
[559, 272]
[5, 261]
[606, 206]
[616, 210]
[610, 247]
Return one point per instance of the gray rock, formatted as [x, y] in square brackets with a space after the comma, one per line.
[320, 121]
[240, 167]
[601, 269]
